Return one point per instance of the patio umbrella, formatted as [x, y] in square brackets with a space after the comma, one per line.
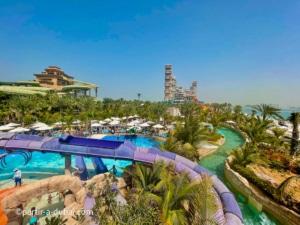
[43, 128]
[38, 124]
[107, 120]
[144, 125]
[96, 125]
[59, 123]
[13, 124]
[19, 130]
[114, 123]
[158, 126]
[6, 128]
[150, 122]
[76, 122]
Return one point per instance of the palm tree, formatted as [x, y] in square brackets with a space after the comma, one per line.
[255, 130]
[56, 221]
[267, 111]
[145, 179]
[139, 96]
[204, 204]
[295, 120]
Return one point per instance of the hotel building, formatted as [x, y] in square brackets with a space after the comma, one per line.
[178, 94]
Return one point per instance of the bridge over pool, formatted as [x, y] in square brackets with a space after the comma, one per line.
[229, 212]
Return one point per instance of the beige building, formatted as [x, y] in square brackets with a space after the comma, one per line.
[54, 77]
[178, 94]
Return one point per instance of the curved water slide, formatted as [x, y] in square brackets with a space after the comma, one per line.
[229, 212]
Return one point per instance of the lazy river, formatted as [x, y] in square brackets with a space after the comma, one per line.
[43, 165]
[215, 163]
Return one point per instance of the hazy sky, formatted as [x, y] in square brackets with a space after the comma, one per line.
[239, 51]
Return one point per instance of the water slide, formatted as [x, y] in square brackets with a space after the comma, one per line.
[80, 164]
[100, 167]
[86, 147]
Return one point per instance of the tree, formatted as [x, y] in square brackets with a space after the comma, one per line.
[58, 220]
[267, 111]
[295, 120]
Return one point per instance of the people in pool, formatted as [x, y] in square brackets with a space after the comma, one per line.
[17, 177]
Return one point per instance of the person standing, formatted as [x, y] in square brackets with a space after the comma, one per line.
[17, 177]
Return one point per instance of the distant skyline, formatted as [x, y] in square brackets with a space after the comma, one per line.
[242, 52]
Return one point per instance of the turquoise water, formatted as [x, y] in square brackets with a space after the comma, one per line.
[43, 165]
[139, 141]
[215, 163]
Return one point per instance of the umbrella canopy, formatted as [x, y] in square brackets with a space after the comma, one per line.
[19, 130]
[102, 122]
[59, 123]
[150, 122]
[124, 118]
[38, 124]
[13, 124]
[107, 120]
[96, 125]
[158, 126]
[144, 125]
[76, 122]
[6, 128]
[43, 128]
[114, 122]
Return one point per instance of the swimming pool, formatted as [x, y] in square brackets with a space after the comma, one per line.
[44, 165]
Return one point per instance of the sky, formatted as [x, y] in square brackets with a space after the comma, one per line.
[239, 51]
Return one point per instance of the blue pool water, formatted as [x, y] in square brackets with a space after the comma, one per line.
[43, 165]
[139, 141]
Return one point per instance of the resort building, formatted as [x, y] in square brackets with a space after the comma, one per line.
[178, 94]
[53, 78]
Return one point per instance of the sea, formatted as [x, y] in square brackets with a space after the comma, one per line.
[285, 112]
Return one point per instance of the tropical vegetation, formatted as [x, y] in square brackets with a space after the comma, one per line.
[158, 196]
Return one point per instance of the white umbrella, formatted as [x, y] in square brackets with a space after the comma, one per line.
[158, 126]
[130, 124]
[59, 123]
[19, 130]
[13, 124]
[6, 128]
[144, 125]
[76, 122]
[136, 116]
[43, 128]
[96, 125]
[124, 118]
[107, 120]
[136, 121]
[102, 122]
[150, 122]
[38, 124]
[114, 122]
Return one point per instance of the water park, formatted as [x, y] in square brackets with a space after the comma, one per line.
[130, 162]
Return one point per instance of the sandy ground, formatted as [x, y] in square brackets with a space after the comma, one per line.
[205, 148]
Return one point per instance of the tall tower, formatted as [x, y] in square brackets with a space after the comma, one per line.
[170, 83]
[194, 90]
